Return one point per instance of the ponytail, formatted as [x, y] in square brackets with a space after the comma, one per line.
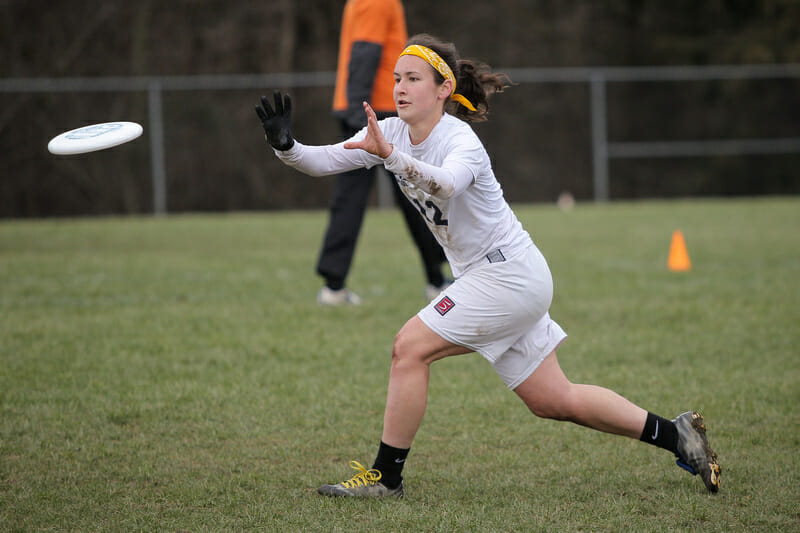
[474, 80]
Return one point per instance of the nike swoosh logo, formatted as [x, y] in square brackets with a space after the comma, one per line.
[656, 432]
[399, 460]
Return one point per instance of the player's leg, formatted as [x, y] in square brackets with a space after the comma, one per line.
[549, 394]
[416, 346]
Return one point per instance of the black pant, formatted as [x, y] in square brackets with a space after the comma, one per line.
[350, 195]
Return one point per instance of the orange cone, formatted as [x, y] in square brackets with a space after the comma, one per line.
[678, 255]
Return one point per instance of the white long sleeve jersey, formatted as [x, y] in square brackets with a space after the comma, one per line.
[448, 177]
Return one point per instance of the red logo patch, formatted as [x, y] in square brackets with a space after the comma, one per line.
[444, 305]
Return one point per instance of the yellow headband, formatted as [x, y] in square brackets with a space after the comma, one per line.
[441, 66]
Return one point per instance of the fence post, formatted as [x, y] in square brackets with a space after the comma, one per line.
[384, 187]
[157, 167]
[599, 136]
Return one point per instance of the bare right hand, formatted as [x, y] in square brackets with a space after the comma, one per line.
[374, 142]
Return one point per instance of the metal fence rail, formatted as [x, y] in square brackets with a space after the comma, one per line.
[597, 78]
[603, 150]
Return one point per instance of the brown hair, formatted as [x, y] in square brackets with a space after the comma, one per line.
[474, 80]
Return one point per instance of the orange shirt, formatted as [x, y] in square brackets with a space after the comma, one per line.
[380, 22]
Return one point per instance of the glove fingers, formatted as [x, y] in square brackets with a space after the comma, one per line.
[276, 95]
[260, 113]
[267, 108]
[287, 105]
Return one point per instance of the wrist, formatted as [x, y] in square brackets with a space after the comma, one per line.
[286, 145]
[281, 144]
[387, 154]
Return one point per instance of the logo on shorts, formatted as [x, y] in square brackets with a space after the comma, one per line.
[444, 305]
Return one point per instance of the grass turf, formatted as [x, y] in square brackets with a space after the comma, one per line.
[176, 374]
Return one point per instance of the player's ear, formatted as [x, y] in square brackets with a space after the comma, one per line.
[445, 89]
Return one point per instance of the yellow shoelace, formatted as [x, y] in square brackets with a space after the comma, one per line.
[363, 478]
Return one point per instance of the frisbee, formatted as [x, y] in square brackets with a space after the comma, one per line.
[94, 137]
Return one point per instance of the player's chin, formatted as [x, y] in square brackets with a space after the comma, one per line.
[404, 111]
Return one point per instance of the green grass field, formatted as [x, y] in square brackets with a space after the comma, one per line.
[176, 374]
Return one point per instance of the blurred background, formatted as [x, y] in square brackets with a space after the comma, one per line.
[613, 99]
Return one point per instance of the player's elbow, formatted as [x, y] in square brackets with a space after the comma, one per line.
[440, 191]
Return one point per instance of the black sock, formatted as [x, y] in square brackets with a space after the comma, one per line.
[389, 463]
[660, 432]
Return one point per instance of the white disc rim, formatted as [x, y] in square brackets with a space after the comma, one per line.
[94, 137]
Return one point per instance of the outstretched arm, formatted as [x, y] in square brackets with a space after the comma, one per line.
[374, 142]
[441, 182]
[311, 160]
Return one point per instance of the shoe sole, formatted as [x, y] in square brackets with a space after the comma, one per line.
[332, 491]
[715, 470]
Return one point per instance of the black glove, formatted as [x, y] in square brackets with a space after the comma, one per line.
[278, 123]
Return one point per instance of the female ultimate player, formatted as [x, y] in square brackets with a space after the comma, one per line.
[498, 305]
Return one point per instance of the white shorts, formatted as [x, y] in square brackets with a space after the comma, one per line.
[500, 310]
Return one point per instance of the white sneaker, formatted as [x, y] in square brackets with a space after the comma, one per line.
[328, 296]
[432, 291]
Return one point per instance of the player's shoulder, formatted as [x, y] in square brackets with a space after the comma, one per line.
[454, 123]
[455, 129]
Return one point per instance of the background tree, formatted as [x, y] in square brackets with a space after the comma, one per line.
[539, 134]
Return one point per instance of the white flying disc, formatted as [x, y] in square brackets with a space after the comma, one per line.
[93, 138]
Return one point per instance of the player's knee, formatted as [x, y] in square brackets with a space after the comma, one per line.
[559, 406]
[400, 349]
[549, 411]
[403, 350]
